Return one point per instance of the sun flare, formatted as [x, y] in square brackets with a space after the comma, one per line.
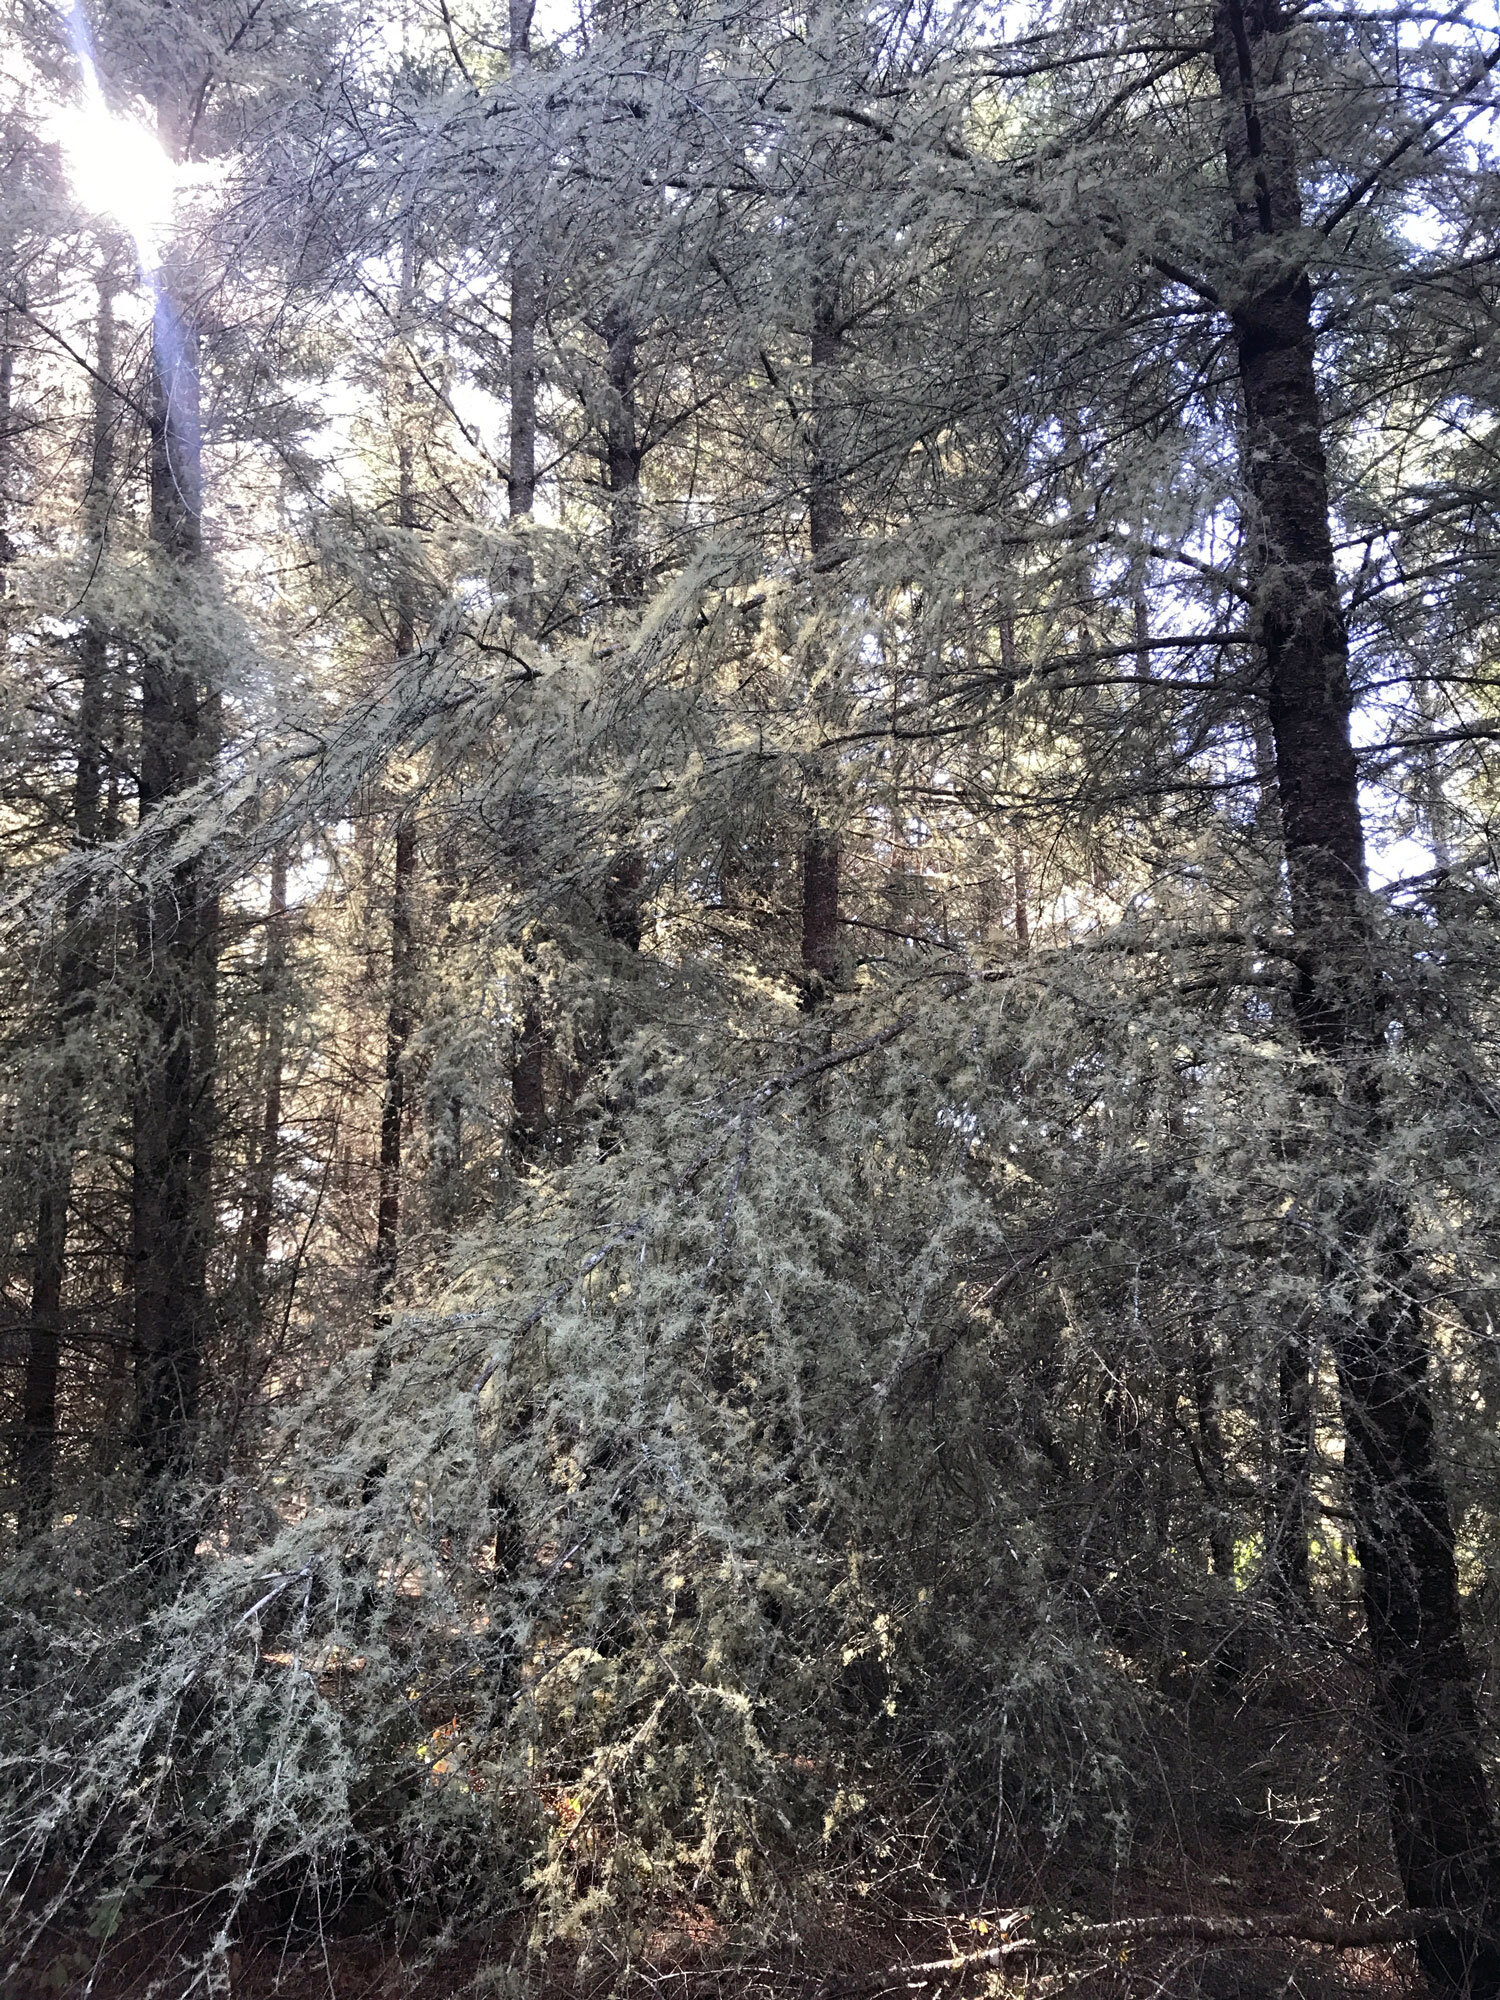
[118, 168]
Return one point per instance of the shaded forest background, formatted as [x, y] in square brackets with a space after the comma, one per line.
[750, 1020]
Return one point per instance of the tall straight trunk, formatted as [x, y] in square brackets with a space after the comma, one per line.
[400, 1016]
[1288, 1562]
[398, 1027]
[622, 463]
[10, 322]
[822, 851]
[528, 1132]
[1021, 875]
[75, 980]
[821, 855]
[535, 1121]
[1442, 1830]
[624, 452]
[1020, 869]
[1211, 1446]
[446, 1101]
[273, 1053]
[520, 485]
[528, 1084]
[401, 993]
[177, 921]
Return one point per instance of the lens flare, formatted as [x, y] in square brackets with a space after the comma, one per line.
[116, 164]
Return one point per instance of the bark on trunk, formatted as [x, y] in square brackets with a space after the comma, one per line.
[1441, 1824]
[401, 993]
[176, 948]
[398, 1027]
[273, 1030]
[1020, 871]
[622, 456]
[528, 1086]
[820, 916]
[529, 1116]
[1021, 876]
[822, 853]
[1211, 1446]
[10, 321]
[76, 972]
[520, 485]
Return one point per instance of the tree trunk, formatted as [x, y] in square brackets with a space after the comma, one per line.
[1288, 1569]
[1211, 1446]
[398, 1027]
[1441, 1824]
[273, 1031]
[822, 852]
[820, 915]
[622, 460]
[176, 949]
[520, 484]
[528, 1085]
[36, 1472]
[401, 993]
[9, 327]
[620, 908]
[1020, 871]
[528, 1129]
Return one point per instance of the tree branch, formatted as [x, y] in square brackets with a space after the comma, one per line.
[1382, 166]
[1074, 1940]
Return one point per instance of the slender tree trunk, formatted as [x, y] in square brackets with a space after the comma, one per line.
[821, 854]
[520, 485]
[1020, 871]
[445, 1094]
[528, 1084]
[401, 993]
[1288, 1567]
[1441, 1823]
[399, 1014]
[1211, 1445]
[176, 952]
[112, 820]
[75, 981]
[273, 1050]
[624, 453]
[398, 1027]
[10, 320]
[1021, 876]
[822, 851]
[622, 462]
[528, 1131]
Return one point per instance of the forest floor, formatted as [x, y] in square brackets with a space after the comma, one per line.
[1268, 1800]
[375, 1968]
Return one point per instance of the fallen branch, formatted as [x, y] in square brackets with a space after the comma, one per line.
[1075, 1940]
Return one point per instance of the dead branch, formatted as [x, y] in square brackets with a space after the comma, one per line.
[1072, 1940]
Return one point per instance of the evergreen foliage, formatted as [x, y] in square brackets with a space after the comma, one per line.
[750, 1032]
